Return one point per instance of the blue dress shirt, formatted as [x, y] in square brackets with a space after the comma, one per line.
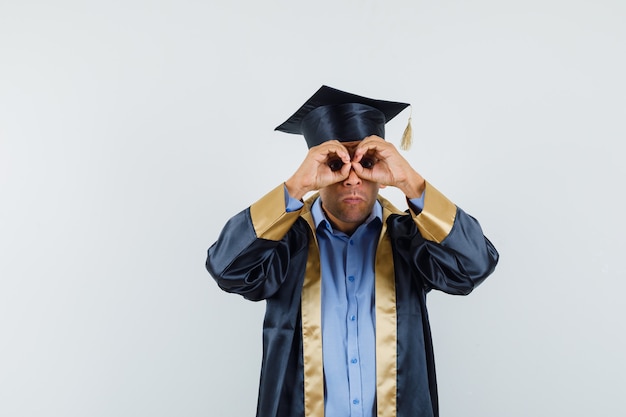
[348, 310]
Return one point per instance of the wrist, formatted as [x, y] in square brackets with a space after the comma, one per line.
[295, 191]
[414, 187]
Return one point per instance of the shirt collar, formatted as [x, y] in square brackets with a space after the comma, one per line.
[320, 217]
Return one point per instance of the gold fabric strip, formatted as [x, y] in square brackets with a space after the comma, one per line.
[436, 220]
[386, 323]
[269, 216]
[311, 310]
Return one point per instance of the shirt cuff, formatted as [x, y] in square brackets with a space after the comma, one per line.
[291, 204]
[417, 204]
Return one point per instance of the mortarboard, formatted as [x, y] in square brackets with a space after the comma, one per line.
[335, 114]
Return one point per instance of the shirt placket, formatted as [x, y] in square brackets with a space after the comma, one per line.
[352, 281]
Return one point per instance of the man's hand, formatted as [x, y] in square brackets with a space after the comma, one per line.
[379, 161]
[324, 165]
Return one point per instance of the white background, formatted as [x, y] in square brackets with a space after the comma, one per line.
[130, 131]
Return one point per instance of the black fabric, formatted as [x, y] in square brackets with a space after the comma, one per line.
[275, 271]
[343, 122]
[334, 114]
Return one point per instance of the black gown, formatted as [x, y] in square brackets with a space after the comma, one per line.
[265, 253]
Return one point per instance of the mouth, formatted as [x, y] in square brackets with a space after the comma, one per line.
[353, 199]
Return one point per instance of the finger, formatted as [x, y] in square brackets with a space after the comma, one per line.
[342, 153]
[365, 174]
[326, 148]
[337, 176]
[345, 170]
[370, 144]
[361, 151]
[337, 148]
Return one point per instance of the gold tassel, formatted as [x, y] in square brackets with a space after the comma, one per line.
[407, 137]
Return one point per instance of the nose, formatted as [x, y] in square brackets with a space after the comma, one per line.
[352, 179]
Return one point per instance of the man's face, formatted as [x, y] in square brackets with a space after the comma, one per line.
[349, 202]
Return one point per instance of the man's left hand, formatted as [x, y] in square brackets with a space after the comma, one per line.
[379, 161]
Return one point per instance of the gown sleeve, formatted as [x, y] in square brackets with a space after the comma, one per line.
[251, 257]
[448, 246]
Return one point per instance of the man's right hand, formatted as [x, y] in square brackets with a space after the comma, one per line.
[319, 169]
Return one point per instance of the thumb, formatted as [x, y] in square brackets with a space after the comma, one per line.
[361, 172]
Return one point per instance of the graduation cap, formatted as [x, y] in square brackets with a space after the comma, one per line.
[334, 114]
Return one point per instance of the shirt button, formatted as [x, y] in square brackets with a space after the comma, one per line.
[353, 318]
[355, 401]
[351, 278]
[354, 360]
[352, 242]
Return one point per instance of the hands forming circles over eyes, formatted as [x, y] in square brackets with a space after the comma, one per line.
[335, 164]
[372, 159]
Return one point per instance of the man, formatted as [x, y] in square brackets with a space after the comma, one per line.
[344, 273]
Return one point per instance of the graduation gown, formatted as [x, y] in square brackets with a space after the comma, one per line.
[265, 253]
